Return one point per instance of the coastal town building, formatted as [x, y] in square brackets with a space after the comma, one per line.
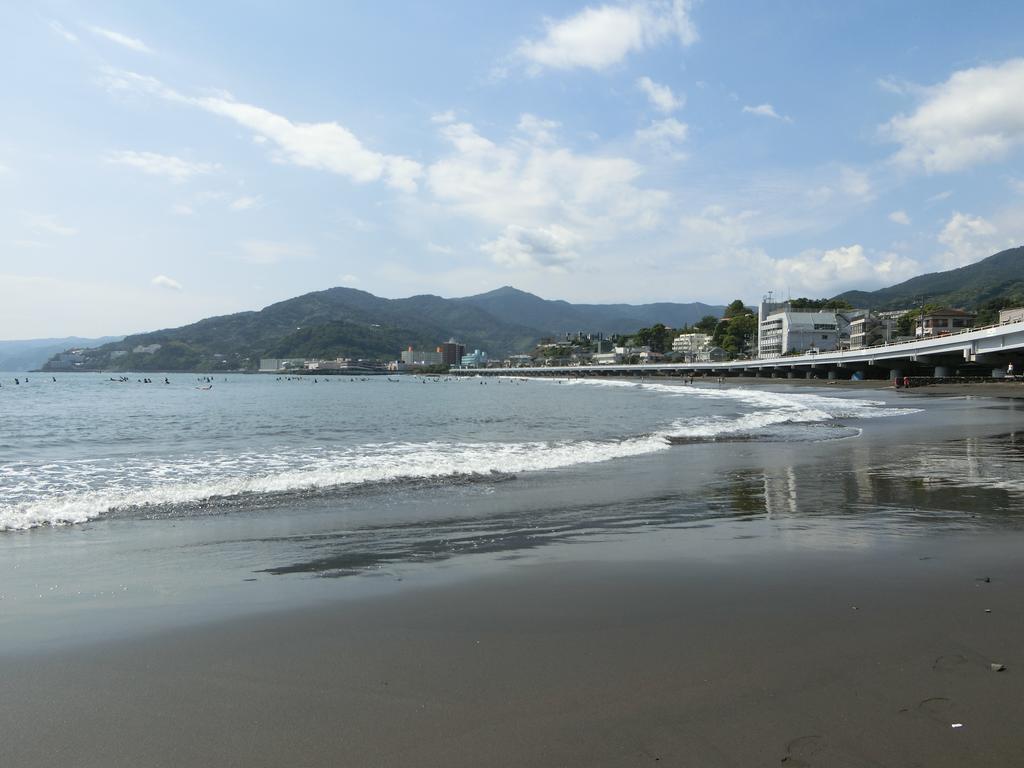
[870, 329]
[422, 358]
[519, 361]
[691, 345]
[344, 365]
[451, 352]
[475, 359]
[1014, 315]
[713, 355]
[781, 330]
[945, 320]
[279, 364]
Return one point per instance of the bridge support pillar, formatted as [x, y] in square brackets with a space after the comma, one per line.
[790, 374]
[895, 374]
[942, 371]
[809, 375]
[833, 375]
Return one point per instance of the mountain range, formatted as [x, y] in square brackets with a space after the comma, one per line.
[998, 276]
[28, 354]
[345, 322]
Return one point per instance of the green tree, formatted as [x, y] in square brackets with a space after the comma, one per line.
[706, 324]
[736, 308]
[736, 331]
[988, 312]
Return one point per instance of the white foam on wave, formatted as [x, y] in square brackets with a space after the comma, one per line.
[763, 409]
[187, 481]
[75, 492]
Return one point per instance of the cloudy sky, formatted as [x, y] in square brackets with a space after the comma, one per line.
[159, 164]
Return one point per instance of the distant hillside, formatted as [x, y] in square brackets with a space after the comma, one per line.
[968, 287]
[30, 354]
[344, 322]
[559, 317]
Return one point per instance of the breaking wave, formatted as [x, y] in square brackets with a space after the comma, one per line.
[69, 492]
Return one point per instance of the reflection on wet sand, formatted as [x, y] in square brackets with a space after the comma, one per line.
[850, 499]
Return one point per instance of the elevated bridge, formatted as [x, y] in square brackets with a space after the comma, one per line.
[983, 351]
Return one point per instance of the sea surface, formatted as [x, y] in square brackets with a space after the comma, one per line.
[191, 499]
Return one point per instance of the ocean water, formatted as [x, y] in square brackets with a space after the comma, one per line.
[76, 448]
[129, 507]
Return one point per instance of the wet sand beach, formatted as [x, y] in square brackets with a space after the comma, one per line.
[855, 658]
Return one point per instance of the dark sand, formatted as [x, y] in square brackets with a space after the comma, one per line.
[843, 658]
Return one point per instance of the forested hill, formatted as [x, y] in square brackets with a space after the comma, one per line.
[510, 304]
[1000, 276]
[344, 322]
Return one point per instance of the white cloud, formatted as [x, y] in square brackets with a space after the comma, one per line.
[664, 135]
[132, 43]
[163, 281]
[976, 116]
[598, 38]
[540, 205]
[535, 185]
[441, 118]
[49, 223]
[348, 279]
[324, 146]
[62, 31]
[715, 228]
[766, 110]
[29, 244]
[245, 203]
[899, 217]
[442, 249]
[272, 252]
[968, 239]
[540, 130]
[856, 184]
[900, 87]
[940, 196]
[546, 247]
[660, 96]
[822, 273]
[174, 168]
[182, 209]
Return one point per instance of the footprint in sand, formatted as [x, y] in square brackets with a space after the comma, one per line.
[814, 751]
[935, 706]
[803, 751]
[950, 663]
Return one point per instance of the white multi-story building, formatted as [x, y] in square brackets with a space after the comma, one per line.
[781, 330]
[274, 364]
[691, 345]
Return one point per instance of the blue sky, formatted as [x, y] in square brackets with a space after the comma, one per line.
[164, 163]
